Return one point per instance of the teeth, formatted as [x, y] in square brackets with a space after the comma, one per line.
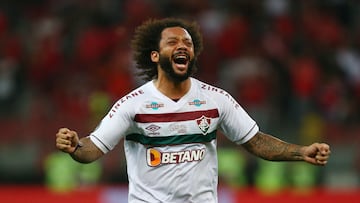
[180, 58]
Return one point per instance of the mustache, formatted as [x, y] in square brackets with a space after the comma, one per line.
[181, 53]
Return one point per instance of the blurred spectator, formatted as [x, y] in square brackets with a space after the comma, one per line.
[321, 26]
[305, 77]
[233, 37]
[348, 59]
[45, 56]
[11, 71]
[249, 78]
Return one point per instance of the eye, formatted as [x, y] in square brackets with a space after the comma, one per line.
[189, 43]
[172, 42]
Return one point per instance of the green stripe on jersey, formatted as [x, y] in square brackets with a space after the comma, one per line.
[172, 140]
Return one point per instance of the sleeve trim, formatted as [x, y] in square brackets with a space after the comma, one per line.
[99, 143]
[254, 129]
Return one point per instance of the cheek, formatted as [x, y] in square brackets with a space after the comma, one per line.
[167, 51]
[165, 54]
[192, 52]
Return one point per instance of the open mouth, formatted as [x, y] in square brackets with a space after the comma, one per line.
[181, 59]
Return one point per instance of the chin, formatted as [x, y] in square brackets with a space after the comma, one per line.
[179, 77]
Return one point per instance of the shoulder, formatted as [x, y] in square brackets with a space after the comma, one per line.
[135, 95]
[217, 94]
[130, 101]
[208, 88]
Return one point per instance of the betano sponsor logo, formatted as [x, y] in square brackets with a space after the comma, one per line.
[155, 157]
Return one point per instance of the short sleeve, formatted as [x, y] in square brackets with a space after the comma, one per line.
[236, 123]
[112, 127]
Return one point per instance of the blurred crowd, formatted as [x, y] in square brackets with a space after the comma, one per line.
[293, 65]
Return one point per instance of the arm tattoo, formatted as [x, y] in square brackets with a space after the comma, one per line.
[273, 149]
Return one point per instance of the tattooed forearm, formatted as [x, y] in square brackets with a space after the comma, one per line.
[274, 149]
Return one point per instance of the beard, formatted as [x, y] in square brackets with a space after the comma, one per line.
[166, 65]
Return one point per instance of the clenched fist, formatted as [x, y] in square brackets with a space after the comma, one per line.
[317, 153]
[66, 140]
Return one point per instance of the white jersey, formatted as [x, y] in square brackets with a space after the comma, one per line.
[170, 147]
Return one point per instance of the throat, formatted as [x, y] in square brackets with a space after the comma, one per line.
[172, 90]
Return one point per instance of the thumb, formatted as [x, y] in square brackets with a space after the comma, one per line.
[73, 137]
[324, 149]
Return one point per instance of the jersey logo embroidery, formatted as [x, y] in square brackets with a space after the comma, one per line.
[154, 105]
[178, 128]
[204, 124]
[197, 102]
[153, 128]
[155, 157]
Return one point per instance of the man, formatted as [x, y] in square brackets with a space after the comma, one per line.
[169, 124]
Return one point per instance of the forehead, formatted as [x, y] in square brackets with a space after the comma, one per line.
[175, 32]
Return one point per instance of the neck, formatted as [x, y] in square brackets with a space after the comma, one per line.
[171, 89]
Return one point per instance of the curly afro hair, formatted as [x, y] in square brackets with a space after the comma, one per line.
[147, 39]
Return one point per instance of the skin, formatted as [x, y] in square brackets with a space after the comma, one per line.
[67, 140]
[176, 40]
[273, 149]
[173, 40]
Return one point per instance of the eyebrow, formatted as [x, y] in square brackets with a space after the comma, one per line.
[186, 38]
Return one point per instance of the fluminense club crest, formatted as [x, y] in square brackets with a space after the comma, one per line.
[204, 124]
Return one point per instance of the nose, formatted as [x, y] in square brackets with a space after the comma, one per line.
[181, 45]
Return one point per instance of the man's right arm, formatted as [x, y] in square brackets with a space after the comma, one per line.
[82, 150]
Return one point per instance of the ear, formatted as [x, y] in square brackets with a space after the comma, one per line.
[155, 56]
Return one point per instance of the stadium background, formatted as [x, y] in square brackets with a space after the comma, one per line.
[293, 65]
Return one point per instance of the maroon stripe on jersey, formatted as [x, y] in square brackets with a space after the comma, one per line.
[171, 117]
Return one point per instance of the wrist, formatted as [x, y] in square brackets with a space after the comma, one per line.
[78, 145]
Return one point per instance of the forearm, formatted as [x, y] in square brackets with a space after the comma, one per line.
[273, 149]
[86, 152]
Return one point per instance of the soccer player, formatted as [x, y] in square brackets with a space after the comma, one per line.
[169, 124]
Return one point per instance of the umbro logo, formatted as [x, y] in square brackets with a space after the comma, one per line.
[153, 128]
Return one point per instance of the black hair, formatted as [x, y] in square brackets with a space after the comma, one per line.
[147, 39]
